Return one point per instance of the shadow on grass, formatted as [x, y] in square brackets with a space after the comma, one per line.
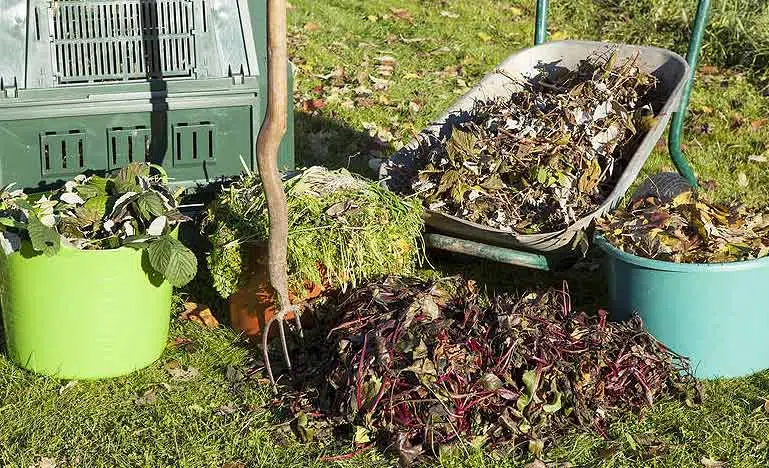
[586, 280]
[330, 142]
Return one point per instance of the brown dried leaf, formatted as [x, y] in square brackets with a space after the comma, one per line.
[402, 14]
[536, 464]
[46, 462]
[200, 314]
[710, 463]
[590, 178]
[758, 124]
[709, 70]
[233, 465]
[312, 105]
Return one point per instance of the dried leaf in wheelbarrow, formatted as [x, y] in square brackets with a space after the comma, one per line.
[546, 156]
[688, 229]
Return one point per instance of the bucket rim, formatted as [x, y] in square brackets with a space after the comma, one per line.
[662, 265]
[74, 251]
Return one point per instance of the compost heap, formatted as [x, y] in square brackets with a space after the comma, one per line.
[546, 156]
[688, 229]
[341, 229]
[415, 366]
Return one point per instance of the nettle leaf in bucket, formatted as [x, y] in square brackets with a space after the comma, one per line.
[88, 270]
[130, 208]
[696, 272]
[342, 230]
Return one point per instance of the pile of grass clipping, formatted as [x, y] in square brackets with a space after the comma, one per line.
[342, 229]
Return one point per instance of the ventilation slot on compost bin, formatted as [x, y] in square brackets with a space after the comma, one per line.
[127, 145]
[62, 153]
[122, 40]
[194, 145]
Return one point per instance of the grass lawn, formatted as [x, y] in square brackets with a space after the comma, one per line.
[370, 75]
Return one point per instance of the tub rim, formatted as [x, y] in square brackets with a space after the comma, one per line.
[661, 265]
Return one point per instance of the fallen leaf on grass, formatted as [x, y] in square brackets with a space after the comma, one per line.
[311, 26]
[484, 37]
[67, 387]
[179, 373]
[536, 464]
[147, 398]
[200, 314]
[758, 124]
[402, 14]
[766, 407]
[312, 105]
[737, 121]
[449, 14]
[45, 462]
[364, 102]
[742, 179]
[709, 70]
[710, 463]
[184, 375]
[233, 465]
[757, 158]
[186, 344]
[229, 408]
[386, 65]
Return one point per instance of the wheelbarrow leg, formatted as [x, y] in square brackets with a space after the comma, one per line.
[676, 127]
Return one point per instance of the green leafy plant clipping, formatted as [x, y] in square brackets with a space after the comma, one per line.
[133, 207]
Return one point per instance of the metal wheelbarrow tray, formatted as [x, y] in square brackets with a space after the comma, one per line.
[669, 68]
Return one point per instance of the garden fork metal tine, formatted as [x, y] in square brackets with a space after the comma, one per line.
[265, 350]
[298, 323]
[280, 318]
[283, 344]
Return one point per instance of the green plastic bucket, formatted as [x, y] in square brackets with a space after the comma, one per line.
[715, 314]
[83, 314]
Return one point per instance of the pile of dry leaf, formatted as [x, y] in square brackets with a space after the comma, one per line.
[546, 156]
[688, 229]
[417, 366]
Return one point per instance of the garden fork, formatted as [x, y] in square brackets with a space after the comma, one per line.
[267, 146]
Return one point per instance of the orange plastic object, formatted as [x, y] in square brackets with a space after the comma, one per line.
[253, 305]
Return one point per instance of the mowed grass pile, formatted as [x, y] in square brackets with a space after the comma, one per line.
[440, 49]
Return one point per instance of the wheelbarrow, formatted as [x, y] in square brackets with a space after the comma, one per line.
[552, 250]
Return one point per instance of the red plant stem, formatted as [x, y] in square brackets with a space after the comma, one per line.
[478, 400]
[347, 324]
[358, 396]
[347, 456]
[379, 395]
[646, 388]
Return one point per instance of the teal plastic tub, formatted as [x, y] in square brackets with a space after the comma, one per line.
[715, 314]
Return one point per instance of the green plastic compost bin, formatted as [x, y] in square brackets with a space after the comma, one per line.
[715, 314]
[83, 314]
[98, 84]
